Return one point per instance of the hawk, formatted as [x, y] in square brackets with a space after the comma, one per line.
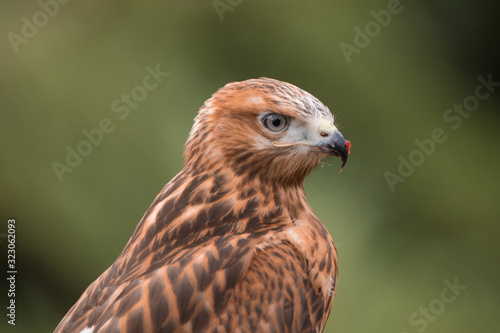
[230, 244]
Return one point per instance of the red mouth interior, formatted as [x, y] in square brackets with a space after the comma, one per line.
[348, 145]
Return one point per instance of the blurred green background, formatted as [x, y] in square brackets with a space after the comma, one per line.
[396, 246]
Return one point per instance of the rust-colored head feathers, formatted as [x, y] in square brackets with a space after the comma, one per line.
[233, 128]
[230, 244]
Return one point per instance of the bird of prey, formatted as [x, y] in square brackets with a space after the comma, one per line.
[230, 244]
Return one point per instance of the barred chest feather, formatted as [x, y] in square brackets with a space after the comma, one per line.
[208, 209]
[230, 244]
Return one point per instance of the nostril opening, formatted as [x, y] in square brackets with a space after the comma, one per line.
[323, 134]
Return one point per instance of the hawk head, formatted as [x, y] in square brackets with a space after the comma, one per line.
[264, 128]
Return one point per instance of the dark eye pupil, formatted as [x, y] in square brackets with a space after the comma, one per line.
[276, 121]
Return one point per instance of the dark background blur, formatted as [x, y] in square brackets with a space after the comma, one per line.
[399, 248]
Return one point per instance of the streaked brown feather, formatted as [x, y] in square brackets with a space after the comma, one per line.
[230, 244]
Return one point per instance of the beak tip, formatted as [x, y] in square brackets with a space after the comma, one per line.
[346, 154]
[336, 145]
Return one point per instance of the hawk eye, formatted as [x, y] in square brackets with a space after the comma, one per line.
[275, 122]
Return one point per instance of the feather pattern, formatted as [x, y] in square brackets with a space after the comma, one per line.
[230, 244]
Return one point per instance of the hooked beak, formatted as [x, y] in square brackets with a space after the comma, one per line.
[336, 145]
